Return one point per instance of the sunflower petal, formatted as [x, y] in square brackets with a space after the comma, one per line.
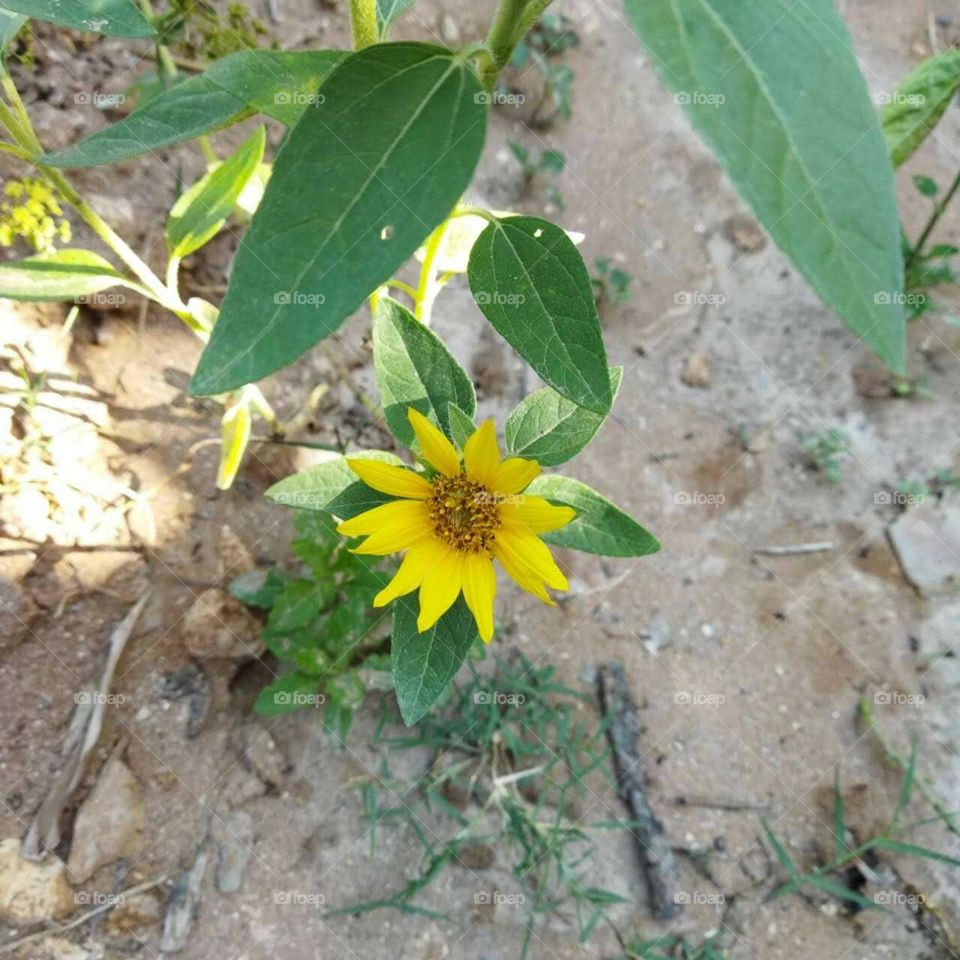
[387, 478]
[479, 588]
[416, 565]
[528, 561]
[438, 451]
[394, 515]
[439, 589]
[536, 513]
[480, 454]
[404, 530]
[514, 474]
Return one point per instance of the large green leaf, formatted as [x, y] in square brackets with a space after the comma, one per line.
[201, 211]
[415, 369]
[773, 86]
[425, 663]
[116, 18]
[599, 527]
[549, 429]
[916, 107]
[62, 275]
[281, 85]
[357, 186]
[331, 486]
[531, 283]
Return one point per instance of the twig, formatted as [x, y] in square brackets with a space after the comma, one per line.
[793, 549]
[623, 731]
[84, 917]
[717, 804]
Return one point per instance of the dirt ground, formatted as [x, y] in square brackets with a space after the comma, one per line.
[749, 667]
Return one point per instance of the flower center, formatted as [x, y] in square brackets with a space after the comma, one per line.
[464, 514]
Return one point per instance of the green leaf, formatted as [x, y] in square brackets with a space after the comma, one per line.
[925, 185]
[331, 486]
[415, 369]
[386, 155]
[551, 430]
[776, 91]
[61, 275]
[839, 819]
[531, 283]
[839, 890]
[780, 851]
[425, 663]
[115, 18]
[388, 11]
[599, 526]
[10, 24]
[281, 85]
[916, 107]
[201, 211]
[912, 850]
[461, 425]
[290, 692]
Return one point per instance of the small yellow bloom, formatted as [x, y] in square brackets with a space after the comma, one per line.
[454, 525]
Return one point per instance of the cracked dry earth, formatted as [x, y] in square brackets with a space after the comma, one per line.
[748, 666]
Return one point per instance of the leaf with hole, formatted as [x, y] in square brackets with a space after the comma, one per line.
[775, 89]
[388, 154]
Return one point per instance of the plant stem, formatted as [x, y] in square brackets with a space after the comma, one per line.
[938, 212]
[363, 23]
[501, 39]
[428, 288]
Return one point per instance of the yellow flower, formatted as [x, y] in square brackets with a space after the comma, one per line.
[453, 525]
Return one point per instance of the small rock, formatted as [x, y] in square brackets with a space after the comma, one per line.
[134, 919]
[235, 850]
[475, 856]
[656, 635]
[25, 513]
[926, 540]
[262, 756]
[182, 905]
[17, 610]
[217, 625]
[243, 786]
[745, 234]
[54, 948]
[696, 372]
[193, 684]
[109, 824]
[31, 891]
[235, 558]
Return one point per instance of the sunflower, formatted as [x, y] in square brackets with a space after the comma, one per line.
[455, 521]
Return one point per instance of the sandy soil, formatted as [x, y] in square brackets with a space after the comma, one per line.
[749, 667]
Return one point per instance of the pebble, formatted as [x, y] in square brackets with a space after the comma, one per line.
[696, 371]
[926, 540]
[236, 848]
[219, 626]
[32, 891]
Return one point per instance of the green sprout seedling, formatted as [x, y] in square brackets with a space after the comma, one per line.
[827, 452]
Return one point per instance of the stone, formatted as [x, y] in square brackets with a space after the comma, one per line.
[234, 556]
[219, 626]
[696, 371]
[32, 891]
[926, 540]
[109, 824]
[17, 610]
[264, 758]
[134, 919]
[236, 848]
[745, 234]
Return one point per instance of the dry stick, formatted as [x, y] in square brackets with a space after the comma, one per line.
[793, 549]
[623, 731]
[127, 894]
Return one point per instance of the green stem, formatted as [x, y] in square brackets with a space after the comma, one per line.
[363, 23]
[938, 212]
[501, 39]
[428, 288]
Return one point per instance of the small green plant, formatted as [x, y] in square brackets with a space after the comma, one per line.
[513, 753]
[827, 452]
[549, 161]
[611, 284]
[320, 625]
[550, 37]
[829, 878]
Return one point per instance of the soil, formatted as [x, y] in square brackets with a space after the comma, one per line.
[749, 667]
